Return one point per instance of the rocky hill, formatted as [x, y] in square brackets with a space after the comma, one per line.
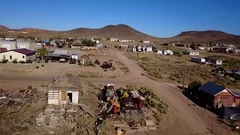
[126, 32]
[206, 37]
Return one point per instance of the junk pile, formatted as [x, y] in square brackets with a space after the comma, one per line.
[18, 109]
[107, 64]
[125, 110]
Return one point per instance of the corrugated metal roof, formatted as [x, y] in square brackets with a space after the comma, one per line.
[25, 51]
[211, 88]
[236, 93]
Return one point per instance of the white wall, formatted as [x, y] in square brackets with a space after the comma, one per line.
[15, 55]
[53, 97]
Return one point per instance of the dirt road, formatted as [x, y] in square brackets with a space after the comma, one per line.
[181, 119]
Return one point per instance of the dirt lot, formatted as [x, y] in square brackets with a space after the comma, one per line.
[20, 73]
[183, 117]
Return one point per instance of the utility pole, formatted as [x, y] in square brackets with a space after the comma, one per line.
[184, 74]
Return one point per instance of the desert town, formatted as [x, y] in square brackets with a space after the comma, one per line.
[118, 86]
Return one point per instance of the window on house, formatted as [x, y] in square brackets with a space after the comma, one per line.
[23, 56]
[10, 57]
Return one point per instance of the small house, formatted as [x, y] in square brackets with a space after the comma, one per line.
[191, 53]
[167, 52]
[84, 60]
[211, 94]
[63, 92]
[97, 40]
[114, 39]
[18, 54]
[149, 49]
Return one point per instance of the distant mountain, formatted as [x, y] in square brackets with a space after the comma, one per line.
[123, 31]
[3, 28]
[118, 31]
[206, 37]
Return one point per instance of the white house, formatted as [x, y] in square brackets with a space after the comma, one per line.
[9, 45]
[18, 54]
[149, 49]
[146, 42]
[9, 39]
[126, 40]
[160, 52]
[191, 53]
[168, 52]
[114, 39]
[97, 40]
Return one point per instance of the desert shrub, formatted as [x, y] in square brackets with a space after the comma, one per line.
[42, 65]
[113, 68]
[4, 61]
[37, 67]
[28, 61]
[21, 62]
[177, 53]
[15, 61]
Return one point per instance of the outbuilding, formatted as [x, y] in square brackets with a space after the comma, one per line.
[63, 92]
[211, 94]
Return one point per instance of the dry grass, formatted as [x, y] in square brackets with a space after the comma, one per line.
[123, 67]
[171, 69]
[90, 75]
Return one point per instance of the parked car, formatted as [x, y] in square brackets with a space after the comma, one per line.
[219, 70]
[62, 60]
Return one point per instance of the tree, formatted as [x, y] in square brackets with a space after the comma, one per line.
[193, 87]
[2, 35]
[193, 46]
[210, 44]
[87, 42]
[42, 52]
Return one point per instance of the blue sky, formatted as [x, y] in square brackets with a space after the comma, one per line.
[161, 18]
